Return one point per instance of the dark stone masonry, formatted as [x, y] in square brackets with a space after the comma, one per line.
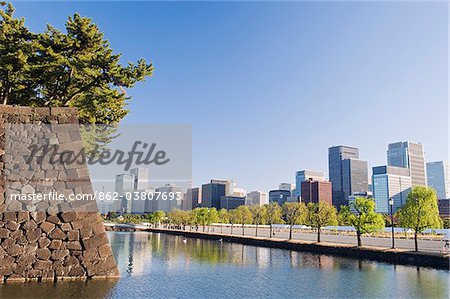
[47, 241]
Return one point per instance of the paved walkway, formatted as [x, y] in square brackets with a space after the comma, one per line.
[436, 246]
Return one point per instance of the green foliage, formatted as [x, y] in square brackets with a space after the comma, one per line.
[344, 215]
[213, 216]
[233, 216]
[158, 216]
[223, 215]
[259, 214]
[76, 68]
[366, 220]
[201, 216]
[244, 215]
[273, 213]
[420, 211]
[320, 215]
[294, 212]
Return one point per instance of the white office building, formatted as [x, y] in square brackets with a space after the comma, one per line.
[409, 155]
[256, 198]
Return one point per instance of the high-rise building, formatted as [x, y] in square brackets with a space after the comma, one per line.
[438, 174]
[279, 196]
[192, 198]
[390, 182]
[141, 177]
[347, 173]
[316, 192]
[409, 155]
[124, 184]
[165, 201]
[305, 175]
[231, 202]
[354, 177]
[256, 198]
[212, 192]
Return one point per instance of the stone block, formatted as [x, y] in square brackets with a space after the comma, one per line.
[57, 234]
[47, 227]
[59, 254]
[42, 265]
[33, 235]
[96, 241]
[55, 244]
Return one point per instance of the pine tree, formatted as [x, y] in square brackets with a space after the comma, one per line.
[76, 68]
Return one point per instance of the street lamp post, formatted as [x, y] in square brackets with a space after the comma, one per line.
[391, 204]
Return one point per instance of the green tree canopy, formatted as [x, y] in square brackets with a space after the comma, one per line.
[366, 220]
[75, 68]
[273, 215]
[344, 215]
[420, 211]
[213, 216]
[294, 213]
[320, 215]
[202, 215]
[244, 216]
[259, 215]
[158, 217]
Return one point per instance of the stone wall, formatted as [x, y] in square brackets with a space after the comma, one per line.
[47, 243]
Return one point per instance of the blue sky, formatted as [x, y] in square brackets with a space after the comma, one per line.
[269, 86]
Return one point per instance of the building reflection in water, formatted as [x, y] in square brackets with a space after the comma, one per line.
[134, 252]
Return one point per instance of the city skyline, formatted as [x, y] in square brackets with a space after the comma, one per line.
[316, 75]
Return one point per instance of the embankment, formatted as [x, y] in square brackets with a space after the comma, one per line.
[396, 256]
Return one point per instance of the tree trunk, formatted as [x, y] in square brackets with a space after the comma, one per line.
[358, 236]
[256, 231]
[221, 229]
[290, 231]
[416, 245]
[318, 235]
[270, 232]
[203, 228]
[243, 231]
[231, 228]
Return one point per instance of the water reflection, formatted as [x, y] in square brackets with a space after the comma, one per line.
[62, 289]
[165, 266]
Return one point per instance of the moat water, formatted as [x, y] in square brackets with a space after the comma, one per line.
[165, 266]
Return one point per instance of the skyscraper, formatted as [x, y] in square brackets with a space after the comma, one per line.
[354, 177]
[409, 155]
[315, 192]
[124, 184]
[438, 174]
[141, 177]
[390, 182]
[347, 173]
[212, 192]
[192, 199]
[305, 175]
[165, 201]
